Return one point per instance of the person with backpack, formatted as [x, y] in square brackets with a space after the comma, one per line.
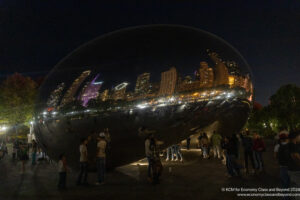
[281, 153]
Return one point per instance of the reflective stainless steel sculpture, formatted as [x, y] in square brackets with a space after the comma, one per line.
[170, 79]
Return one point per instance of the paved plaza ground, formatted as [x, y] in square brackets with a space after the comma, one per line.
[195, 178]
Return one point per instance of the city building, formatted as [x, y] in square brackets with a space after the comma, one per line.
[221, 71]
[90, 91]
[142, 84]
[119, 91]
[69, 96]
[55, 96]
[104, 95]
[233, 68]
[206, 75]
[168, 82]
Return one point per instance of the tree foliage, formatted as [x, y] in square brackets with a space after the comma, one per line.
[282, 112]
[17, 97]
[285, 106]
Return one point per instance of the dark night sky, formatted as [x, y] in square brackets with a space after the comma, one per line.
[35, 35]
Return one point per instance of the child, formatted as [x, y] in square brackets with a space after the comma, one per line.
[62, 172]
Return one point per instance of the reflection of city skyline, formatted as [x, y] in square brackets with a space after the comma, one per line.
[224, 74]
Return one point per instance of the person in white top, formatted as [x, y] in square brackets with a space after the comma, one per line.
[83, 163]
[101, 157]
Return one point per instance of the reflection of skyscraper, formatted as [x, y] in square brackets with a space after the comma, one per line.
[91, 91]
[168, 82]
[55, 96]
[104, 95]
[69, 96]
[221, 71]
[142, 84]
[233, 68]
[206, 75]
[119, 91]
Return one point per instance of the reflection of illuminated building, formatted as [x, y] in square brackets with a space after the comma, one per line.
[119, 91]
[206, 75]
[168, 82]
[142, 84]
[248, 84]
[154, 88]
[91, 91]
[233, 68]
[104, 95]
[69, 96]
[187, 79]
[221, 72]
[55, 96]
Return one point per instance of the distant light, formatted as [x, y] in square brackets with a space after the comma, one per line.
[142, 106]
[54, 113]
[98, 83]
[44, 113]
[3, 128]
[161, 100]
[31, 122]
[172, 99]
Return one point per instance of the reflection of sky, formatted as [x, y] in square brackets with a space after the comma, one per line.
[122, 57]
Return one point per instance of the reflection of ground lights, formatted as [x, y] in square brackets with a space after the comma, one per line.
[183, 100]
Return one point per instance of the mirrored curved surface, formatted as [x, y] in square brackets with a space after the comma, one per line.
[172, 80]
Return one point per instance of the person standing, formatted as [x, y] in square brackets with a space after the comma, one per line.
[188, 143]
[281, 153]
[216, 144]
[23, 156]
[83, 163]
[204, 145]
[170, 153]
[33, 154]
[294, 158]
[152, 154]
[177, 150]
[258, 149]
[101, 157]
[62, 172]
[247, 143]
[233, 167]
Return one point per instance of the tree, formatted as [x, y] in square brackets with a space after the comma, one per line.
[17, 98]
[283, 112]
[285, 105]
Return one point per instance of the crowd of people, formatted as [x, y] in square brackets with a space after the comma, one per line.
[227, 149]
[102, 145]
[23, 152]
